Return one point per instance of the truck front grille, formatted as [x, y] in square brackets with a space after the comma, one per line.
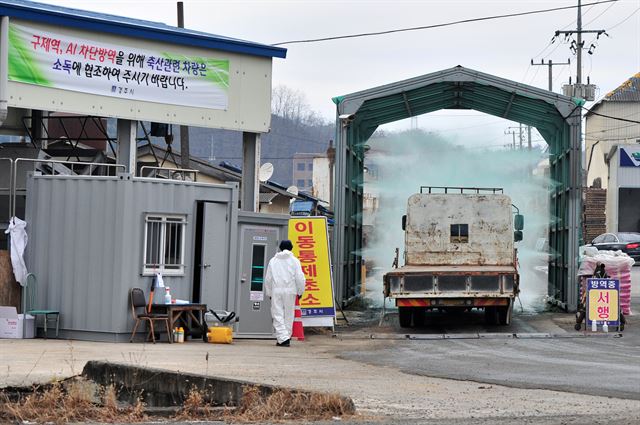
[485, 283]
[419, 283]
[452, 283]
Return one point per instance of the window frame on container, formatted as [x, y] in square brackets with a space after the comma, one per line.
[164, 222]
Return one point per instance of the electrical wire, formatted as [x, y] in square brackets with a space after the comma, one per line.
[625, 19]
[559, 74]
[599, 15]
[444, 24]
[606, 130]
[534, 75]
[589, 111]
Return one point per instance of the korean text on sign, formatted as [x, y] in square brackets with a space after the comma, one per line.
[309, 237]
[603, 301]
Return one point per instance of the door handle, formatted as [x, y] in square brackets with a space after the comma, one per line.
[206, 265]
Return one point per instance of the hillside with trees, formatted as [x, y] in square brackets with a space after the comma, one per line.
[295, 128]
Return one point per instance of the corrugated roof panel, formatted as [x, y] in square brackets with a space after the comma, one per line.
[629, 91]
[266, 198]
[129, 27]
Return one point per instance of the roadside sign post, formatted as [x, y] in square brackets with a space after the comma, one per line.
[603, 302]
[311, 246]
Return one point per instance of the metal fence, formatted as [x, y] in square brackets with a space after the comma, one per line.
[47, 167]
[169, 173]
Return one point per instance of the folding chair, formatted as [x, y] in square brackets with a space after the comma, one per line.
[30, 302]
[138, 301]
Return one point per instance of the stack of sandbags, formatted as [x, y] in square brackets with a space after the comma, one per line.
[617, 265]
[594, 218]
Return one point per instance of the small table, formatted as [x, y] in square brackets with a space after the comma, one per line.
[185, 313]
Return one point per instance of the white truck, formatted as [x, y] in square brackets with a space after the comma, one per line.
[459, 254]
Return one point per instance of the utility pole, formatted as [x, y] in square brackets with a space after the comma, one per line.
[550, 64]
[185, 156]
[580, 44]
[529, 138]
[513, 131]
[586, 93]
[521, 136]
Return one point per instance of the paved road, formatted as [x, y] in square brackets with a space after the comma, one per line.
[607, 366]
[376, 381]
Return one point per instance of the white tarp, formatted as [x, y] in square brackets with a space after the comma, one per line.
[18, 233]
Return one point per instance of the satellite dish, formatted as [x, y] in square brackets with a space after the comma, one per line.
[266, 171]
[293, 190]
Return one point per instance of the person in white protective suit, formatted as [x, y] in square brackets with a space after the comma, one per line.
[284, 281]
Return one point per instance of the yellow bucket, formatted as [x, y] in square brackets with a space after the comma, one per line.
[220, 335]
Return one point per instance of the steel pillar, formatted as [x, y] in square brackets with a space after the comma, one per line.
[127, 147]
[250, 187]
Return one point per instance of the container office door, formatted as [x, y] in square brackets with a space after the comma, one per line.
[213, 261]
[258, 243]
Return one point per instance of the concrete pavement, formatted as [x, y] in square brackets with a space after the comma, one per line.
[496, 379]
[320, 363]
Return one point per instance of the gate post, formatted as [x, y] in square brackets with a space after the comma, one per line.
[574, 208]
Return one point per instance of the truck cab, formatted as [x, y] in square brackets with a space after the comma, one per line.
[459, 253]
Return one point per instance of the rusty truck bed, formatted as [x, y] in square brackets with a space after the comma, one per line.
[467, 269]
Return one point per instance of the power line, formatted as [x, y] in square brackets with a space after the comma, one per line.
[589, 111]
[614, 139]
[599, 15]
[551, 42]
[625, 19]
[445, 24]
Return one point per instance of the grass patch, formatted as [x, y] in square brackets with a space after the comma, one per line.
[285, 404]
[79, 400]
[75, 400]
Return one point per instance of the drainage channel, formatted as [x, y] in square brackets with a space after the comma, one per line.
[473, 335]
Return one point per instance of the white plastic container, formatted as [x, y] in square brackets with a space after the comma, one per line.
[11, 324]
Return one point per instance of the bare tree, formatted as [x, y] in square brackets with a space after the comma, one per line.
[291, 104]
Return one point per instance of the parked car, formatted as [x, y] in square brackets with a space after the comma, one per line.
[625, 241]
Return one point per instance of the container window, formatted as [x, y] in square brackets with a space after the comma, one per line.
[459, 233]
[164, 244]
[257, 268]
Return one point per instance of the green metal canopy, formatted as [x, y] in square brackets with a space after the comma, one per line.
[556, 117]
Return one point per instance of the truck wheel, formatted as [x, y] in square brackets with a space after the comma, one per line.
[404, 314]
[418, 317]
[504, 314]
[490, 315]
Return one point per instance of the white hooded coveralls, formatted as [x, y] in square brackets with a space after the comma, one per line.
[18, 244]
[284, 281]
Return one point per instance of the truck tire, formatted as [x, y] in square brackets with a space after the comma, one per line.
[418, 317]
[490, 315]
[504, 314]
[404, 316]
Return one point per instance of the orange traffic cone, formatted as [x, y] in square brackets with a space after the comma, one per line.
[298, 329]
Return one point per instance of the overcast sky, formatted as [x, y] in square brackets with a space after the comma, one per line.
[503, 47]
